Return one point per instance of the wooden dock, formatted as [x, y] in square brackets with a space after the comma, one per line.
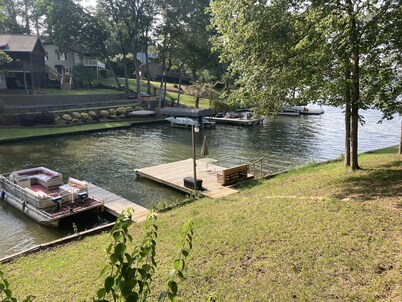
[172, 175]
[115, 204]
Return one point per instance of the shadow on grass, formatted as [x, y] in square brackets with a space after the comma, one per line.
[386, 181]
[248, 184]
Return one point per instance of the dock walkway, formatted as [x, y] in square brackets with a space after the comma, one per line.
[172, 174]
[115, 204]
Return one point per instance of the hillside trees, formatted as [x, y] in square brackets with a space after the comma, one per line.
[336, 52]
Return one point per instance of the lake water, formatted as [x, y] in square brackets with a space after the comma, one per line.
[109, 158]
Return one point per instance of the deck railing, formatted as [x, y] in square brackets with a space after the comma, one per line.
[256, 168]
[19, 192]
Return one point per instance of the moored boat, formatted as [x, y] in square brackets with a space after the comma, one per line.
[40, 194]
[182, 121]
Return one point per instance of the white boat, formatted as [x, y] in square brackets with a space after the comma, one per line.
[142, 113]
[301, 109]
[40, 194]
[182, 121]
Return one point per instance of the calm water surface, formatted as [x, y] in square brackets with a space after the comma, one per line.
[109, 158]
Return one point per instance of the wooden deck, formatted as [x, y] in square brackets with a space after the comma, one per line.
[172, 175]
[115, 204]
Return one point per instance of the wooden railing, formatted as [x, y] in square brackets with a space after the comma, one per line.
[257, 167]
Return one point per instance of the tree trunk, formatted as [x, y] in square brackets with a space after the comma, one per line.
[197, 101]
[137, 66]
[347, 117]
[354, 41]
[126, 82]
[116, 79]
[147, 63]
[400, 142]
[180, 79]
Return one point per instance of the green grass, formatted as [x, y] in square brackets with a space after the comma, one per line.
[15, 133]
[317, 233]
[185, 99]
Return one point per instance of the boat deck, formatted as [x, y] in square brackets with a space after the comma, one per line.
[115, 204]
[71, 208]
[172, 175]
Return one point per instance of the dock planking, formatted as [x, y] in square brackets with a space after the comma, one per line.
[115, 204]
[172, 175]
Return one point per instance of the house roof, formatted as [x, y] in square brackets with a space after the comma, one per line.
[18, 43]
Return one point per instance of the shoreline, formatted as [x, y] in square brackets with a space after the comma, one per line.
[77, 129]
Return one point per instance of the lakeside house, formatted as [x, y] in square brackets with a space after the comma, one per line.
[60, 63]
[27, 70]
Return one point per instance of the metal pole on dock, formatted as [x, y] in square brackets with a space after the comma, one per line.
[193, 130]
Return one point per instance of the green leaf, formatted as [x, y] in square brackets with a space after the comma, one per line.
[104, 270]
[176, 264]
[173, 287]
[8, 292]
[101, 293]
[109, 282]
[185, 253]
[162, 296]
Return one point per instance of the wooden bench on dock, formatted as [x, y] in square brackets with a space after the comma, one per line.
[233, 175]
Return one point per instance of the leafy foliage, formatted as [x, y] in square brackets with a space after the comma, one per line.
[6, 295]
[129, 275]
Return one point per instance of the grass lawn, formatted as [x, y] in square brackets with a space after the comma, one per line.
[185, 99]
[12, 133]
[317, 233]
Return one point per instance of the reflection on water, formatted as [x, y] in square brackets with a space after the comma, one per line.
[109, 158]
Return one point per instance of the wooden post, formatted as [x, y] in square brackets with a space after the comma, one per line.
[194, 159]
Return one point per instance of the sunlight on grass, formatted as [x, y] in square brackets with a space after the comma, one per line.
[285, 239]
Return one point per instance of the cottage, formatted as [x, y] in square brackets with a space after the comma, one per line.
[27, 70]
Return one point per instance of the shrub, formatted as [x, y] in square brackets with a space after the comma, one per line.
[113, 116]
[104, 113]
[44, 118]
[76, 114]
[75, 120]
[92, 113]
[112, 111]
[121, 110]
[27, 120]
[85, 116]
[67, 117]
[129, 109]
[138, 107]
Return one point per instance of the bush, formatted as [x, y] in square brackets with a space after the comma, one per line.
[67, 117]
[129, 109]
[27, 120]
[92, 113]
[121, 110]
[112, 111]
[75, 120]
[104, 113]
[138, 107]
[85, 116]
[76, 114]
[44, 118]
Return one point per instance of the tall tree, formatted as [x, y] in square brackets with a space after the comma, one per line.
[327, 51]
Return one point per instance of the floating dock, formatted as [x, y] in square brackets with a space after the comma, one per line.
[172, 175]
[115, 204]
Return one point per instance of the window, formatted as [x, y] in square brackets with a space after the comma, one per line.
[67, 69]
[61, 56]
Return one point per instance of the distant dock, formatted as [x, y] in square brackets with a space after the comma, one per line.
[172, 175]
[115, 204]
